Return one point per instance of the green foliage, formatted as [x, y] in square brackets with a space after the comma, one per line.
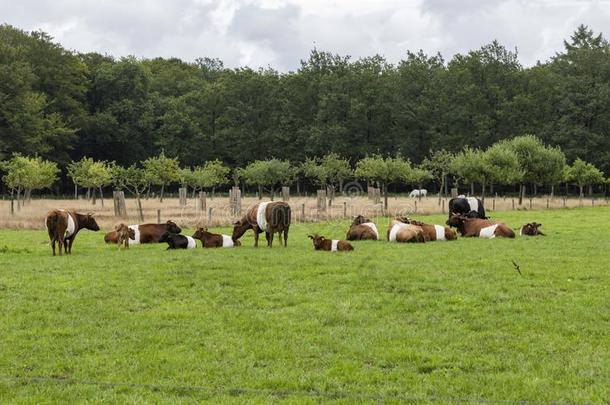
[267, 173]
[132, 178]
[471, 166]
[539, 164]
[583, 174]
[503, 164]
[89, 173]
[330, 170]
[387, 170]
[24, 172]
[161, 170]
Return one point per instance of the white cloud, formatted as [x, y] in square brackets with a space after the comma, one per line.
[281, 32]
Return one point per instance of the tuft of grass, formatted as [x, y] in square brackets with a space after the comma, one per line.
[437, 322]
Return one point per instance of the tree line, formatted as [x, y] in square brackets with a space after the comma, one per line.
[521, 160]
[62, 106]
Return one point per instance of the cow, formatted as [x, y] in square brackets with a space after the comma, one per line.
[469, 206]
[531, 229]
[362, 229]
[63, 226]
[433, 232]
[145, 233]
[477, 227]
[398, 231]
[269, 217]
[124, 234]
[175, 241]
[418, 193]
[332, 245]
[213, 240]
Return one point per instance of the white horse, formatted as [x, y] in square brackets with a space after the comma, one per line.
[417, 193]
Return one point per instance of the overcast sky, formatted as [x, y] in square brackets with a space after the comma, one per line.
[279, 33]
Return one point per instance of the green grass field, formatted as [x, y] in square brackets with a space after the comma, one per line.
[438, 322]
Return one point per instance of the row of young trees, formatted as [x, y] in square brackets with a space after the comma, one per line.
[64, 105]
[523, 160]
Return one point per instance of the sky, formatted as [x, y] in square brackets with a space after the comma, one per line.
[280, 33]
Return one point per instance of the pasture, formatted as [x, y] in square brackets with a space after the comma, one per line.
[439, 322]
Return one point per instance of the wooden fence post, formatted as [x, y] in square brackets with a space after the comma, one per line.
[303, 212]
[530, 203]
[158, 216]
[547, 202]
[493, 203]
[210, 216]
[202, 205]
[443, 206]
[344, 209]
[182, 196]
[235, 200]
[285, 193]
[321, 201]
[513, 200]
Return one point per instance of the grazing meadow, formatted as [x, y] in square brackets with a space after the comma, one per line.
[439, 322]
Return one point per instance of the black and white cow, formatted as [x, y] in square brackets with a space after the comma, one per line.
[175, 241]
[470, 206]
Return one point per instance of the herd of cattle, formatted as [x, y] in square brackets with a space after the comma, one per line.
[466, 214]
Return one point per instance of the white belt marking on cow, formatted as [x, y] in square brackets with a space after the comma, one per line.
[192, 244]
[333, 246]
[473, 203]
[261, 219]
[440, 232]
[397, 227]
[136, 231]
[227, 241]
[521, 231]
[488, 232]
[373, 227]
[71, 226]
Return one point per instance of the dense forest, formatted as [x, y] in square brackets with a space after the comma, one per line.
[62, 105]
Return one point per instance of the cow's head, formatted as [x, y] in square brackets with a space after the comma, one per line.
[359, 219]
[531, 229]
[164, 237]
[407, 220]
[132, 234]
[199, 233]
[317, 240]
[239, 228]
[170, 226]
[455, 220]
[90, 223]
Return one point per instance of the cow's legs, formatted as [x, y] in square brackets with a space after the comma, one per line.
[66, 245]
[70, 245]
[285, 237]
[270, 239]
[53, 245]
[255, 237]
[60, 244]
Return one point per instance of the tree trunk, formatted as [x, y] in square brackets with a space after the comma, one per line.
[140, 207]
[446, 185]
[483, 192]
[590, 189]
[472, 189]
[18, 198]
[75, 191]
[581, 192]
[535, 190]
[93, 196]
[521, 193]
[148, 191]
[385, 196]
[440, 191]
[260, 192]
[102, 196]
[419, 188]
[552, 191]
[162, 192]
[12, 202]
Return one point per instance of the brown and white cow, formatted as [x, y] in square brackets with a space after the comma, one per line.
[63, 226]
[482, 228]
[433, 232]
[268, 217]
[398, 231]
[531, 229]
[124, 233]
[213, 240]
[145, 233]
[332, 245]
[362, 229]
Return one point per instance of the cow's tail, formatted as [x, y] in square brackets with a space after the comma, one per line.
[51, 223]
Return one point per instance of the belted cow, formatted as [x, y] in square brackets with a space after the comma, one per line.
[175, 241]
[268, 217]
[362, 229]
[63, 226]
[531, 229]
[145, 233]
[469, 206]
[483, 228]
[212, 240]
[332, 245]
[398, 231]
[433, 232]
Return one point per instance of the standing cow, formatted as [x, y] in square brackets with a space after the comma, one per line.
[145, 233]
[268, 217]
[63, 226]
[482, 228]
[469, 206]
[362, 228]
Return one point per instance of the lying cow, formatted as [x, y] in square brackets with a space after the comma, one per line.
[268, 217]
[332, 245]
[482, 228]
[362, 229]
[398, 231]
[145, 233]
[124, 234]
[531, 229]
[469, 206]
[433, 232]
[418, 193]
[175, 241]
[63, 226]
[213, 240]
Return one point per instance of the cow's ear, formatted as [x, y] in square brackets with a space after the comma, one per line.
[236, 223]
[91, 214]
[310, 236]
